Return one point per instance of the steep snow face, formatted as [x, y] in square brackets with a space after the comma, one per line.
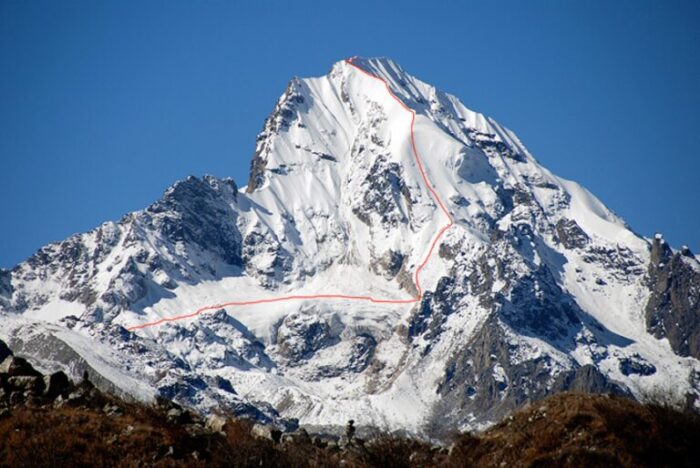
[537, 287]
[334, 179]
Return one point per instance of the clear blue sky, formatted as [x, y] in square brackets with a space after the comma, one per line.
[105, 104]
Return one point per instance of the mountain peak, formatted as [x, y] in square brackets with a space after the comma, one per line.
[349, 293]
[369, 63]
[376, 65]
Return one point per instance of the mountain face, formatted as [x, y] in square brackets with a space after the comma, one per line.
[525, 284]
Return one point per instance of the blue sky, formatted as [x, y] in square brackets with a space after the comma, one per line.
[105, 104]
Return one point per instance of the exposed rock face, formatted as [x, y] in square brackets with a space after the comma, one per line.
[5, 352]
[21, 384]
[433, 311]
[6, 289]
[197, 212]
[587, 379]
[570, 234]
[493, 374]
[636, 364]
[261, 244]
[494, 146]
[301, 335]
[538, 306]
[386, 198]
[284, 114]
[221, 329]
[673, 310]
[390, 264]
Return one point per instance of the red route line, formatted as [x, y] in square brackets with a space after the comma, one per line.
[303, 297]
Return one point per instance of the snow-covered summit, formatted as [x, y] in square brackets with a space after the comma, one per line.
[533, 287]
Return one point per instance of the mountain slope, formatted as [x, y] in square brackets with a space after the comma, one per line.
[536, 288]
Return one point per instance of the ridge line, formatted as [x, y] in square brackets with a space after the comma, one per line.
[417, 298]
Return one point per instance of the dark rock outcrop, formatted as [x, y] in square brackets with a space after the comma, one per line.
[587, 379]
[384, 194]
[5, 351]
[570, 234]
[673, 309]
[492, 146]
[434, 309]
[5, 286]
[46, 348]
[57, 384]
[26, 383]
[280, 119]
[390, 264]
[21, 384]
[301, 335]
[486, 380]
[636, 365]
[196, 212]
[16, 366]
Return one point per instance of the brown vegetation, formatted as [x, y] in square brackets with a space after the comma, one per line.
[69, 436]
[571, 429]
[564, 430]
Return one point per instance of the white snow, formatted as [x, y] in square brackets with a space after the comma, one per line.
[55, 310]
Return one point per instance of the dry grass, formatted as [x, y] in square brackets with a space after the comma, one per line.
[586, 430]
[564, 430]
[84, 437]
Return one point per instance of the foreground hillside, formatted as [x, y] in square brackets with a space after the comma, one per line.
[49, 421]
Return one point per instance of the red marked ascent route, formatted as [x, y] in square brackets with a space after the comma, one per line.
[344, 297]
